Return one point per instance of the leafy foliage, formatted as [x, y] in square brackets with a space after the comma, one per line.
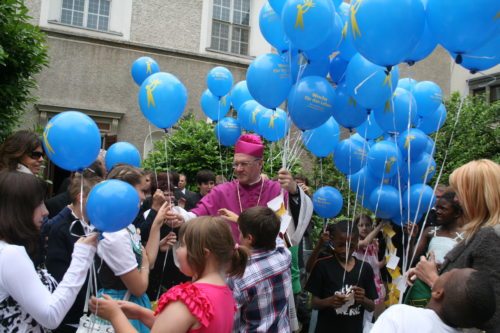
[22, 55]
[476, 135]
[192, 146]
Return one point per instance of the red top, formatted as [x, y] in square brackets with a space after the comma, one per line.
[213, 306]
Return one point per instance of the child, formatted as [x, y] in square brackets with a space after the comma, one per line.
[368, 250]
[437, 242]
[262, 293]
[124, 265]
[207, 252]
[67, 228]
[461, 298]
[340, 279]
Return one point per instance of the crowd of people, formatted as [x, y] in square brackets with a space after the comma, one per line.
[233, 257]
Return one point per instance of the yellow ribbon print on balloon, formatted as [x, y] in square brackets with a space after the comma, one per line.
[255, 112]
[46, 139]
[428, 172]
[149, 91]
[354, 22]
[408, 140]
[389, 163]
[301, 10]
[271, 121]
[149, 70]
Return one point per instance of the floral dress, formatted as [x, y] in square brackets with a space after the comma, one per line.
[369, 255]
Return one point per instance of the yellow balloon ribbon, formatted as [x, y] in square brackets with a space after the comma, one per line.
[271, 121]
[223, 101]
[301, 10]
[149, 91]
[255, 112]
[46, 139]
[354, 21]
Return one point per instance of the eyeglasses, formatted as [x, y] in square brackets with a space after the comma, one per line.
[36, 155]
[243, 164]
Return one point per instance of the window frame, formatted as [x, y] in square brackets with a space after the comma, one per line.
[86, 16]
[232, 25]
[486, 83]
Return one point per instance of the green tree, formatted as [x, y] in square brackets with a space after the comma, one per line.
[476, 135]
[22, 55]
[192, 146]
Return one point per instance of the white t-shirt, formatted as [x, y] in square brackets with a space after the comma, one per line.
[116, 249]
[19, 279]
[403, 318]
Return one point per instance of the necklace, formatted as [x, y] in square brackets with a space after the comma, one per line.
[239, 197]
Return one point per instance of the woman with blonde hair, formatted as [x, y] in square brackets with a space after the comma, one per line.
[477, 185]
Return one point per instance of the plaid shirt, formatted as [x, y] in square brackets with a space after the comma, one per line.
[262, 293]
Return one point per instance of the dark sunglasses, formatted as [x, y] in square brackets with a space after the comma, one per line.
[36, 155]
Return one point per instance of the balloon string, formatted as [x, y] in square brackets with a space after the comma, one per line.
[218, 140]
[154, 160]
[462, 99]
[363, 82]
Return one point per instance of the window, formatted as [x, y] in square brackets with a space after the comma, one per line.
[91, 14]
[486, 85]
[231, 26]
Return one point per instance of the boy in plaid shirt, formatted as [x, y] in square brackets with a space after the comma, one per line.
[262, 293]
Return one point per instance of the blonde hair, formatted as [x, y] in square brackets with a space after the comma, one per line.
[477, 187]
[212, 234]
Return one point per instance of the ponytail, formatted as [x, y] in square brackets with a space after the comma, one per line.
[238, 261]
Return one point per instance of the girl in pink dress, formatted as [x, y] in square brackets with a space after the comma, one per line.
[207, 253]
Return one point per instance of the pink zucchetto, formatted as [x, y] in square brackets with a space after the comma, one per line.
[249, 144]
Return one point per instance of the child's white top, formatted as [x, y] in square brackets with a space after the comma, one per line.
[19, 279]
[402, 318]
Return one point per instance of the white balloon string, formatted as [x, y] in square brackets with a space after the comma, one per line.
[152, 150]
[462, 99]
[363, 82]
[218, 140]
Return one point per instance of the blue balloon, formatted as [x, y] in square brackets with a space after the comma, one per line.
[122, 153]
[386, 31]
[274, 125]
[219, 81]
[432, 123]
[227, 131]
[72, 140]
[301, 67]
[428, 96]
[412, 143]
[462, 26]
[362, 183]
[347, 49]
[330, 44]
[240, 94]
[214, 107]
[421, 170]
[327, 202]
[423, 48]
[418, 199]
[384, 160]
[398, 114]
[112, 205]
[271, 28]
[385, 200]
[350, 156]
[248, 115]
[308, 23]
[337, 69]
[430, 147]
[407, 84]
[483, 58]
[310, 102]
[268, 80]
[142, 68]
[369, 84]
[162, 99]
[322, 140]
[369, 129]
[277, 5]
[346, 110]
